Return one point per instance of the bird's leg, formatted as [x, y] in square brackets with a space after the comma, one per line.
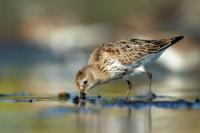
[129, 87]
[149, 74]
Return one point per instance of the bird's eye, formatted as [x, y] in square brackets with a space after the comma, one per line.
[85, 82]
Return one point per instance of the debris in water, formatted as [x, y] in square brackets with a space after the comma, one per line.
[99, 96]
[64, 96]
[75, 100]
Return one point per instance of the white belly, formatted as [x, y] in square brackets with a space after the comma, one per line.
[117, 69]
[151, 58]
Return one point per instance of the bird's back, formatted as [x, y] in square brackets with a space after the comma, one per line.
[113, 56]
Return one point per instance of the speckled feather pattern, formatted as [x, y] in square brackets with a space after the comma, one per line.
[125, 53]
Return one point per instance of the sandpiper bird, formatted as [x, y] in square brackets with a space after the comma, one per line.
[121, 60]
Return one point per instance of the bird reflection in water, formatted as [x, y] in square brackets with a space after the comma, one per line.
[93, 117]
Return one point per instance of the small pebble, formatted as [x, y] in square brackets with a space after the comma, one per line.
[197, 100]
[64, 96]
[30, 100]
[76, 100]
[98, 96]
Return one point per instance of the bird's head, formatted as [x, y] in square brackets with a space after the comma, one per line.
[86, 79]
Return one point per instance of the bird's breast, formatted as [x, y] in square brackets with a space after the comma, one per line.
[114, 68]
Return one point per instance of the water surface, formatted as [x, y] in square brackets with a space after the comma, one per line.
[25, 113]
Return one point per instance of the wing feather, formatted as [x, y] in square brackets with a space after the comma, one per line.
[126, 51]
[114, 58]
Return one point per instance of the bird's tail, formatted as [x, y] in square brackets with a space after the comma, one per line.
[175, 39]
[169, 42]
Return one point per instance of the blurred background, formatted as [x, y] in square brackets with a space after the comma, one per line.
[43, 43]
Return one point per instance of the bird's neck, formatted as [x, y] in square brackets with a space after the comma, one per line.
[98, 74]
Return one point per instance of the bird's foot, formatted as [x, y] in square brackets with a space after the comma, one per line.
[150, 96]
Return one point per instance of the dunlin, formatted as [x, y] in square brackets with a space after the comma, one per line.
[121, 60]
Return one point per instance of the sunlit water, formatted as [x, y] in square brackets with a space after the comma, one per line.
[29, 114]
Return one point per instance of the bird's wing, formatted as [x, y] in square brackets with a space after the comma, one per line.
[128, 51]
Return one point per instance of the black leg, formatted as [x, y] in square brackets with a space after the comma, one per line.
[149, 74]
[129, 87]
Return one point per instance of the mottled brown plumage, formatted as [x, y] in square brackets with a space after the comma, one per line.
[120, 59]
[128, 51]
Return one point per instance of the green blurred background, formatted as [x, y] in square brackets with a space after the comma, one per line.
[43, 43]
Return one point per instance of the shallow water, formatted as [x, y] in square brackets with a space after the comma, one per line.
[26, 113]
